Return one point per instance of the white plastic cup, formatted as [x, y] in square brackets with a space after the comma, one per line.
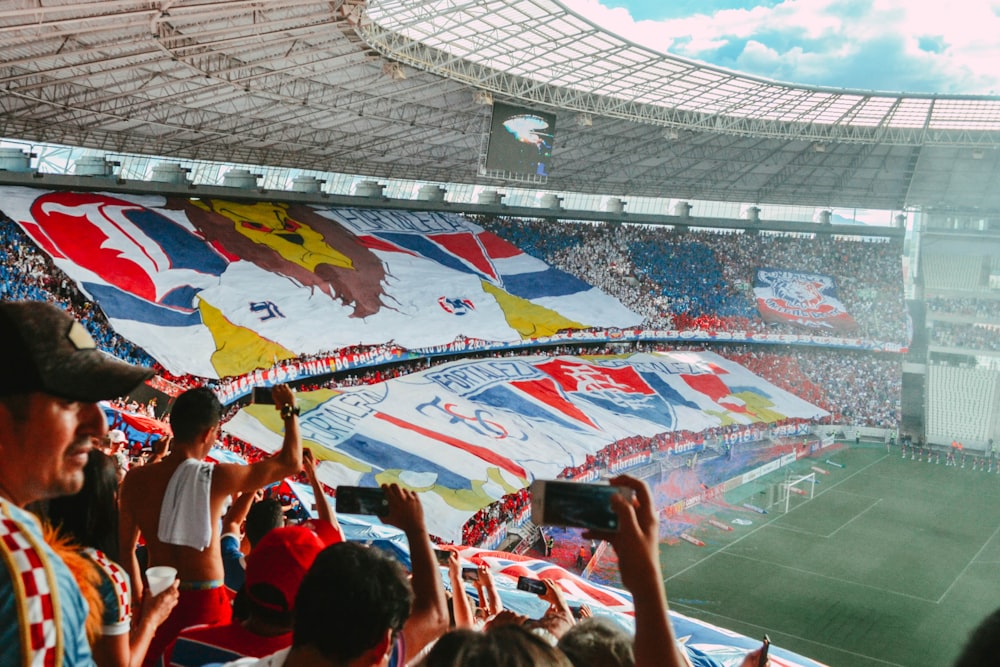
[160, 578]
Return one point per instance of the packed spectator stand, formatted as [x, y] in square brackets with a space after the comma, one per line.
[704, 280]
[648, 270]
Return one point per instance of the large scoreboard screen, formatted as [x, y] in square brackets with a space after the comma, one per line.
[520, 140]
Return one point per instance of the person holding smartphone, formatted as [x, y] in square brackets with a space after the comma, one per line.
[489, 599]
[461, 607]
[637, 545]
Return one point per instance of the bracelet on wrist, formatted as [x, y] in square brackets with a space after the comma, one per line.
[289, 410]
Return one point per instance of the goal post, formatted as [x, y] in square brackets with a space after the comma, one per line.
[797, 489]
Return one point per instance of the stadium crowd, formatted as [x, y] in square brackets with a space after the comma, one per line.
[975, 336]
[647, 269]
[139, 573]
[705, 280]
[968, 306]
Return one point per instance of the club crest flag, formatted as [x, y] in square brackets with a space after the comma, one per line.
[217, 287]
[466, 433]
[802, 299]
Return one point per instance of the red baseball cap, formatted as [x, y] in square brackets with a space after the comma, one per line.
[282, 557]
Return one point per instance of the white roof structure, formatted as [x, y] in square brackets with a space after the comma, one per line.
[395, 89]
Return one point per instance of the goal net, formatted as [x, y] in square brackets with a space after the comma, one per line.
[795, 490]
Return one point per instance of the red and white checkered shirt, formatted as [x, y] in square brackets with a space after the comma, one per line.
[42, 612]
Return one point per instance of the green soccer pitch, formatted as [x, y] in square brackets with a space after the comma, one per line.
[893, 562]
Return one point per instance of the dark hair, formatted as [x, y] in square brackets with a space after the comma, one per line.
[983, 645]
[90, 517]
[503, 646]
[268, 594]
[349, 597]
[193, 412]
[598, 642]
[263, 517]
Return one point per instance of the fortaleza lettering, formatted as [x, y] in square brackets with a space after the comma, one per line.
[336, 419]
[363, 221]
[465, 379]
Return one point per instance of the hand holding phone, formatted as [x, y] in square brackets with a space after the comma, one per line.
[762, 659]
[536, 586]
[470, 573]
[563, 503]
[361, 500]
[263, 395]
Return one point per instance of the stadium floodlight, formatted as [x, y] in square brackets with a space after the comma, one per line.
[584, 120]
[483, 97]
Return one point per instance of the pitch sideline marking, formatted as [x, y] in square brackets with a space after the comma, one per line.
[768, 523]
[841, 649]
[968, 565]
[855, 517]
[832, 578]
[828, 536]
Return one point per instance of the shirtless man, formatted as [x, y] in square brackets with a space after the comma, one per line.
[180, 518]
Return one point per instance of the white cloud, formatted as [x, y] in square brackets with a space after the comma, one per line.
[893, 45]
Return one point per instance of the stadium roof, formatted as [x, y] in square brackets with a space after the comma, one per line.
[396, 89]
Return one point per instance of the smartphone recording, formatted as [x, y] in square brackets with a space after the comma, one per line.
[442, 555]
[562, 503]
[361, 500]
[263, 396]
[536, 586]
[470, 573]
[762, 660]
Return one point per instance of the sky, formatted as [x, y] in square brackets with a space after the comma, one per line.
[908, 46]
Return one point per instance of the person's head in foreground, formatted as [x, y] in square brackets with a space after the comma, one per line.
[502, 646]
[276, 567]
[53, 377]
[598, 642]
[983, 646]
[350, 608]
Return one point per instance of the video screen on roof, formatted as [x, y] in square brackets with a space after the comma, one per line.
[520, 140]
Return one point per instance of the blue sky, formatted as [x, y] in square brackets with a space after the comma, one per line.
[912, 46]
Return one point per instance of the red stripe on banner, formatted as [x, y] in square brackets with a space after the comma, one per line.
[496, 247]
[464, 245]
[377, 243]
[41, 237]
[485, 454]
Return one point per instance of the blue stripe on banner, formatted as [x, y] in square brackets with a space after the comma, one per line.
[505, 398]
[551, 282]
[120, 305]
[738, 389]
[424, 247]
[384, 456]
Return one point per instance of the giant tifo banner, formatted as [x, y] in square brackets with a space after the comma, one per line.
[466, 433]
[218, 287]
[807, 300]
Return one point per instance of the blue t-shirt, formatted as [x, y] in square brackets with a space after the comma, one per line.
[39, 598]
